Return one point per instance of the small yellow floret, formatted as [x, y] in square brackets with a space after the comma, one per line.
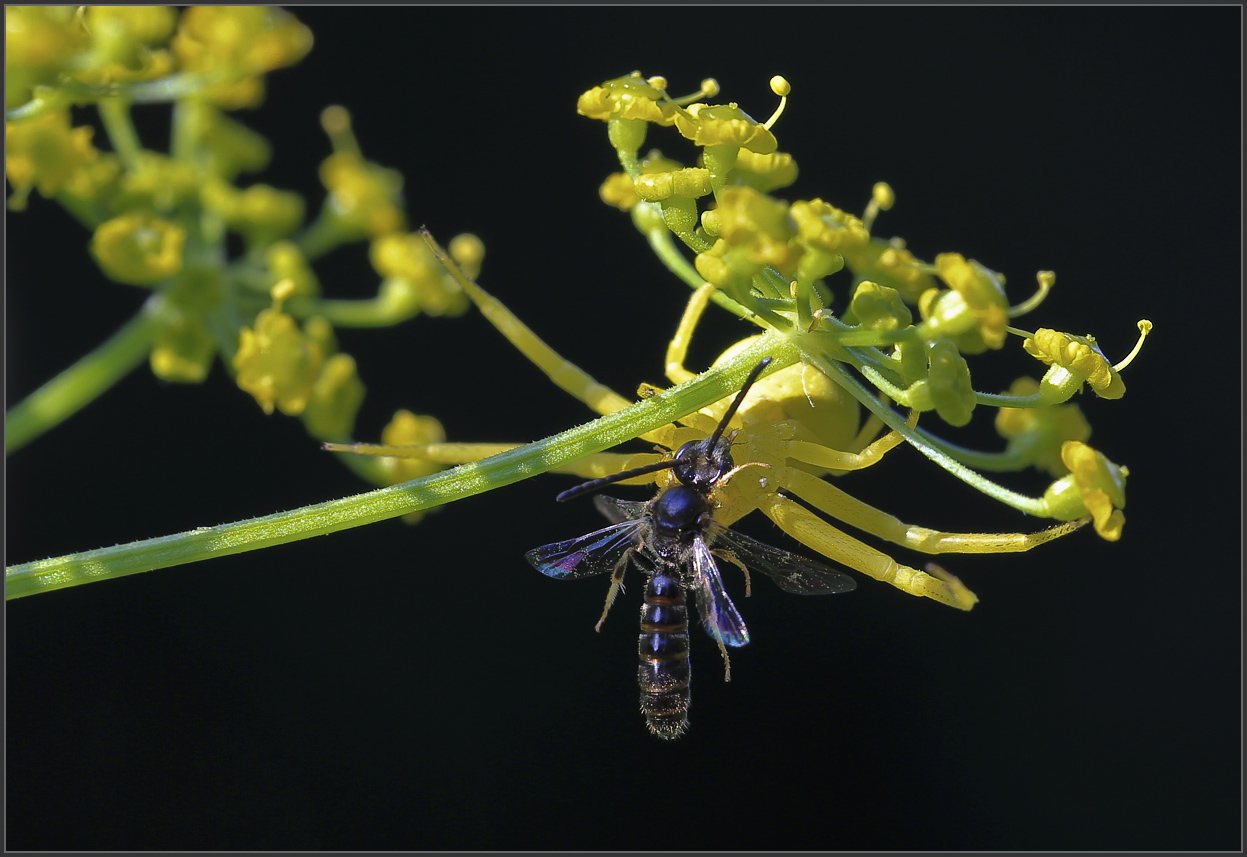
[1080, 356]
[277, 363]
[138, 249]
[1094, 486]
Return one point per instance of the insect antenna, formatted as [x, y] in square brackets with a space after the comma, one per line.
[713, 440]
[709, 444]
[615, 477]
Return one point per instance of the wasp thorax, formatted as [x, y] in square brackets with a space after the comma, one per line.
[678, 509]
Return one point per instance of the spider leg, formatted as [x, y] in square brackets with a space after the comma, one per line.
[815, 533]
[677, 350]
[835, 460]
[560, 370]
[843, 507]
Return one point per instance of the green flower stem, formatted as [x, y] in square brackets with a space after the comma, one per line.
[49, 98]
[921, 441]
[365, 312]
[81, 210]
[660, 241]
[116, 116]
[188, 120]
[995, 462]
[81, 383]
[441, 488]
[324, 234]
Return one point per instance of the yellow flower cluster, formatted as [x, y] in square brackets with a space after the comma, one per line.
[297, 371]
[161, 220]
[911, 322]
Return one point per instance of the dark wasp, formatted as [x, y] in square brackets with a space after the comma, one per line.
[669, 538]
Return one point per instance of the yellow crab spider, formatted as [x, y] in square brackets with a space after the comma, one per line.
[776, 419]
[797, 425]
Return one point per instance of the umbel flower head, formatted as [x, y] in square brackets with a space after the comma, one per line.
[239, 45]
[907, 325]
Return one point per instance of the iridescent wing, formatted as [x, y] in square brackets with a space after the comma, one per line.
[793, 573]
[718, 613]
[617, 511]
[596, 553]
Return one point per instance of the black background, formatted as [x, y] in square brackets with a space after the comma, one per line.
[415, 688]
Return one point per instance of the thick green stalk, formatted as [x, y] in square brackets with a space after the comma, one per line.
[80, 384]
[462, 481]
[919, 440]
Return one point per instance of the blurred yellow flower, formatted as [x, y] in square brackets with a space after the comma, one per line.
[138, 249]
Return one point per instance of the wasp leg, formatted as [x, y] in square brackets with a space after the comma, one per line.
[617, 577]
[731, 557]
[727, 662]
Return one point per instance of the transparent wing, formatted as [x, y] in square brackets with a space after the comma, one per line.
[595, 553]
[617, 511]
[793, 573]
[718, 613]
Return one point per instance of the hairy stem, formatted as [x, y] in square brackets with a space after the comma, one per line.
[439, 489]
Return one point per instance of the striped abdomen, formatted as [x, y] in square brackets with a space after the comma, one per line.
[663, 649]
